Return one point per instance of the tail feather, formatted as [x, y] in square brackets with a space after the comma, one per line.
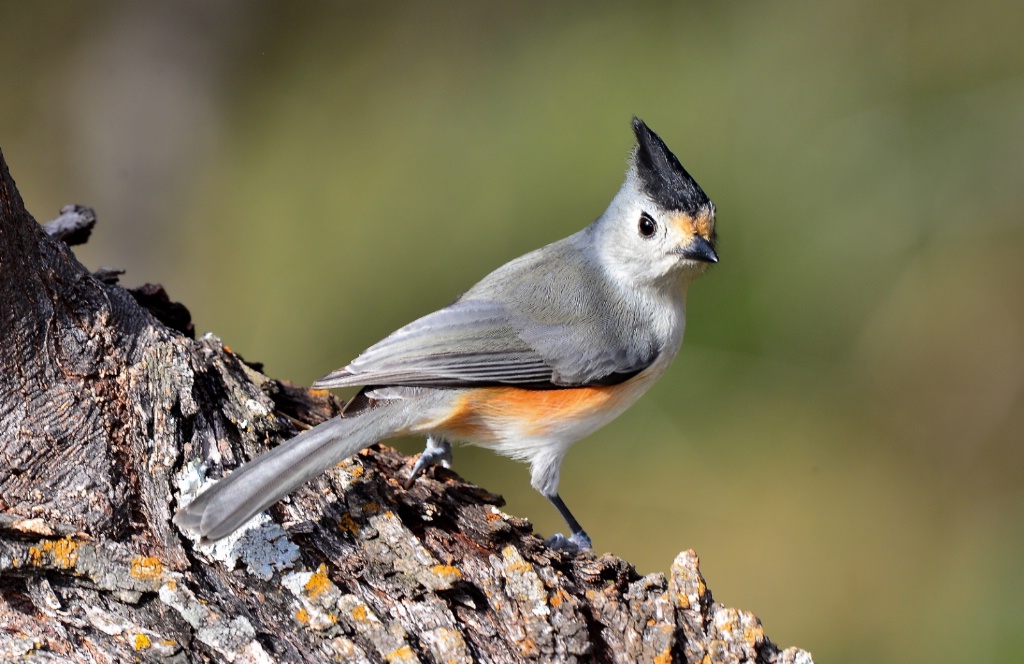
[222, 508]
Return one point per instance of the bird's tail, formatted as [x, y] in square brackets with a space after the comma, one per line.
[222, 508]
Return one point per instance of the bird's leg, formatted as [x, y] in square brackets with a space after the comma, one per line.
[578, 540]
[438, 451]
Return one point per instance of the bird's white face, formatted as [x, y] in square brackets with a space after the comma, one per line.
[642, 243]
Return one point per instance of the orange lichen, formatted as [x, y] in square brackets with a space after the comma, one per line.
[142, 642]
[513, 561]
[359, 613]
[63, 553]
[446, 571]
[528, 647]
[371, 508]
[753, 633]
[302, 615]
[403, 654]
[683, 599]
[348, 524]
[318, 583]
[664, 657]
[146, 569]
[559, 597]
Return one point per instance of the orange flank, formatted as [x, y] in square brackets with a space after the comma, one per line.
[484, 413]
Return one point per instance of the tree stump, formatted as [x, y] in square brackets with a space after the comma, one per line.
[112, 414]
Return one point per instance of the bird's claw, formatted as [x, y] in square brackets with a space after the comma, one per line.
[578, 541]
[436, 453]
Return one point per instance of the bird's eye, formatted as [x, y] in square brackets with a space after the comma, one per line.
[647, 225]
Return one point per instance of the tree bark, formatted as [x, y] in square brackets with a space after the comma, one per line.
[111, 415]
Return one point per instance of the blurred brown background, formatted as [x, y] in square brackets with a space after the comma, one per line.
[841, 437]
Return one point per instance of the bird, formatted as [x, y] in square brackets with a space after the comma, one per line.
[538, 354]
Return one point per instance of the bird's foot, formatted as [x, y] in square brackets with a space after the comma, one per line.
[437, 452]
[578, 541]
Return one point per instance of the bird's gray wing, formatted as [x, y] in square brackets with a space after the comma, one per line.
[480, 343]
[548, 319]
[467, 343]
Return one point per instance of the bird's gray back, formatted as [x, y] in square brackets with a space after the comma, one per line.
[550, 318]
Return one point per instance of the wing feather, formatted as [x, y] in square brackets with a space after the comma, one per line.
[470, 342]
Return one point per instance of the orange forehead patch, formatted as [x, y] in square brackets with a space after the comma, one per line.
[703, 224]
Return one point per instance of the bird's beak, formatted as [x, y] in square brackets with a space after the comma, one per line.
[699, 249]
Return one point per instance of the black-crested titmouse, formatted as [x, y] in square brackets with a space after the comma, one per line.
[542, 352]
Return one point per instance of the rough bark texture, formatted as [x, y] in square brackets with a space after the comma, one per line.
[110, 414]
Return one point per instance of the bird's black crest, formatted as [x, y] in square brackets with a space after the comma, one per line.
[663, 178]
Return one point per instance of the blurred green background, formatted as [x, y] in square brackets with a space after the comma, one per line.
[841, 437]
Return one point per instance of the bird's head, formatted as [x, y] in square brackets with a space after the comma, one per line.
[660, 227]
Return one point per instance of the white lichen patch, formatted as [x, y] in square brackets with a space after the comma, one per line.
[266, 550]
[189, 480]
[256, 408]
[260, 543]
